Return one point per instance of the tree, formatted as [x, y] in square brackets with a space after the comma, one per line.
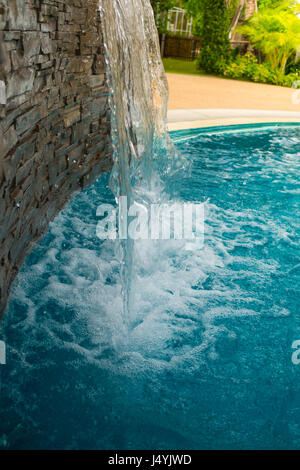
[161, 8]
[195, 9]
[275, 32]
[268, 3]
[276, 3]
[215, 39]
[162, 5]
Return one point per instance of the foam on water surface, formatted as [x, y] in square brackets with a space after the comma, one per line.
[206, 359]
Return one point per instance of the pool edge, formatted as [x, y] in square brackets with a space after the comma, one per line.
[185, 134]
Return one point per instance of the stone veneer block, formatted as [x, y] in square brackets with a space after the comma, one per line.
[53, 112]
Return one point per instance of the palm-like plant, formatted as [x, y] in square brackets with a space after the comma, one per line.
[275, 32]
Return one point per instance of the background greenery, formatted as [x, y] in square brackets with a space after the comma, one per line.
[215, 39]
[273, 32]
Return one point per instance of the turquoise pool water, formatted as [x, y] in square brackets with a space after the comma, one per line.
[206, 363]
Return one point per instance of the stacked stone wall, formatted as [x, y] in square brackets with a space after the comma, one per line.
[54, 117]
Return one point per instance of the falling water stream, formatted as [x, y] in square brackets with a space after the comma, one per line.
[143, 151]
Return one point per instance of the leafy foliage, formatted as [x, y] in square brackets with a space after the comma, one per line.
[162, 5]
[246, 67]
[195, 9]
[274, 3]
[161, 8]
[268, 3]
[215, 40]
[276, 33]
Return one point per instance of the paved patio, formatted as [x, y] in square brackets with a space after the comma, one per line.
[204, 101]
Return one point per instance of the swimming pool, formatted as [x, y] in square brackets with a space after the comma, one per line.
[207, 360]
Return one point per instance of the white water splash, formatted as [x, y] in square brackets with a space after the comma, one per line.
[142, 147]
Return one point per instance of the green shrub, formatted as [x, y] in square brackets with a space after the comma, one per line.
[293, 65]
[243, 67]
[247, 68]
[215, 40]
[290, 80]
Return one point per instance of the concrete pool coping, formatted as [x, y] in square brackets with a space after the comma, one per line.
[180, 119]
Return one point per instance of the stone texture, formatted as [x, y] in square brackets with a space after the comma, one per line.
[20, 82]
[54, 117]
[21, 15]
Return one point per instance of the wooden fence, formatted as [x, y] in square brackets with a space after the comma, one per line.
[189, 47]
[180, 47]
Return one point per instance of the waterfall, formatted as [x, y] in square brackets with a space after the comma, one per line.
[143, 150]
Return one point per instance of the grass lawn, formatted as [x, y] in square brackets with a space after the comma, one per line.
[186, 67]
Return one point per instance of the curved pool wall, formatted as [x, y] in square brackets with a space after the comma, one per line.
[54, 118]
[206, 362]
[184, 134]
